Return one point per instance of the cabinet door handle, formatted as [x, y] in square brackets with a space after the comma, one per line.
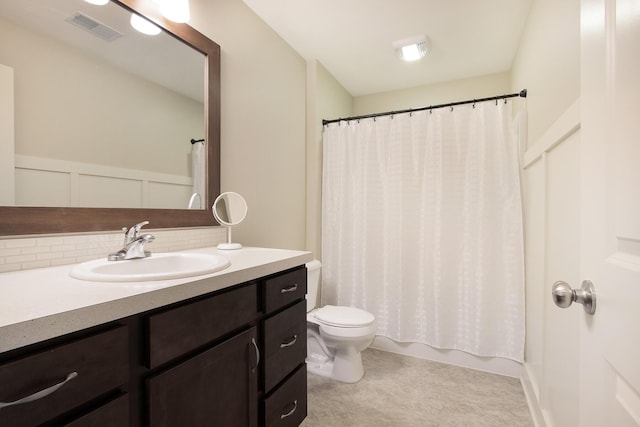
[289, 289]
[288, 414]
[291, 342]
[40, 394]
[255, 346]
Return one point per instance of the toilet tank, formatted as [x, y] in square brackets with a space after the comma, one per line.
[313, 283]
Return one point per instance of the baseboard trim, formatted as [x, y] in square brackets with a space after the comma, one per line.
[494, 365]
[537, 414]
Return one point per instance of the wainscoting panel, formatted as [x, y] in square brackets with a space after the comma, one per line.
[52, 182]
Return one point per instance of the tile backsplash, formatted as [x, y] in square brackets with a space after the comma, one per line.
[27, 252]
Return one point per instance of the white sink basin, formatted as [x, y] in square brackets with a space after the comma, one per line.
[162, 266]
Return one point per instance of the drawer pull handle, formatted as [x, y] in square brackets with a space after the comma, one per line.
[288, 414]
[40, 394]
[290, 343]
[255, 346]
[289, 289]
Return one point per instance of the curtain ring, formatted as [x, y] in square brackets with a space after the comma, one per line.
[452, 108]
[505, 100]
[496, 102]
[474, 103]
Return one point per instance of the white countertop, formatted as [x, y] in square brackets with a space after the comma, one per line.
[43, 303]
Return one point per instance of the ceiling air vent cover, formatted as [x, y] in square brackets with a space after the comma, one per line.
[96, 28]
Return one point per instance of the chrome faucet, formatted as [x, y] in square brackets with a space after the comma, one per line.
[133, 246]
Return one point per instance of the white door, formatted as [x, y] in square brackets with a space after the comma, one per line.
[610, 212]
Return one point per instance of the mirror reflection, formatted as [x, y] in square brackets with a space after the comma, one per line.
[103, 116]
[229, 209]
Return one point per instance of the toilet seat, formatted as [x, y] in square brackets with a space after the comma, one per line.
[343, 322]
[347, 333]
[344, 317]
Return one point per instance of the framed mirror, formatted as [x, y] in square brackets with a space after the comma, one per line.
[43, 219]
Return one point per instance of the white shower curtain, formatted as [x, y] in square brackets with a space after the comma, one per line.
[422, 226]
[198, 171]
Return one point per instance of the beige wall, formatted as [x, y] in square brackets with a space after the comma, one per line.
[548, 62]
[423, 96]
[7, 162]
[548, 65]
[263, 122]
[326, 99]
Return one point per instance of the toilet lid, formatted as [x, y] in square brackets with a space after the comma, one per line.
[344, 316]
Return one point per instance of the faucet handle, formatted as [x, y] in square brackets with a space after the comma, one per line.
[125, 230]
[132, 234]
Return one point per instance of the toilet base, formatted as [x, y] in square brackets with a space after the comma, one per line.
[345, 365]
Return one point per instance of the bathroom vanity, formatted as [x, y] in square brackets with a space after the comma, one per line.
[223, 349]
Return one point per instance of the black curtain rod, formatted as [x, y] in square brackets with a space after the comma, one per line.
[522, 94]
[193, 141]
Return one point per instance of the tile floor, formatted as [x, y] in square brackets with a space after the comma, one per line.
[401, 391]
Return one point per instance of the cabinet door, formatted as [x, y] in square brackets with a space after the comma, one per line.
[215, 388]
[114, 413]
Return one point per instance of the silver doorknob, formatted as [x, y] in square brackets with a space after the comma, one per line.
[564, 296]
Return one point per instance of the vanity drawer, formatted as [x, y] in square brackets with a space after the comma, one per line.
[179, 330]
[114, 413]
[285, 343]
[285, 289]
[101, 362]
[287, 406]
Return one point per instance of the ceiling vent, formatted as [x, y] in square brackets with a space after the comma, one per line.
[412, 48]
[96, 28]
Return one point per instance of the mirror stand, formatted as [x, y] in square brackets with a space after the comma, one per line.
[229, 209]
[229, 246]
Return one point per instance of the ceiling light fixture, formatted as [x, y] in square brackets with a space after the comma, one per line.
[175, 10]
[97, 2]
[144, 26]
[411, 48]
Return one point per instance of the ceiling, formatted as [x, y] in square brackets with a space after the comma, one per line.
[352, 38]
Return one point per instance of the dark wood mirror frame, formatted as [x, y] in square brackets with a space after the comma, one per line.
[16, 220]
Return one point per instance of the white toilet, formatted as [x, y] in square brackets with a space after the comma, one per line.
[335, 335]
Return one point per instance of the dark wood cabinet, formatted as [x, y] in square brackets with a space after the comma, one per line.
[91, 368]
[180, 330]
[233, 357]
[285, 344]
[215, 388]
[113, 413]
[284, 289]
[285, 349]
[287, 406]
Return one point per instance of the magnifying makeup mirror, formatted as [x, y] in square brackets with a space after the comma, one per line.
[229, 209]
